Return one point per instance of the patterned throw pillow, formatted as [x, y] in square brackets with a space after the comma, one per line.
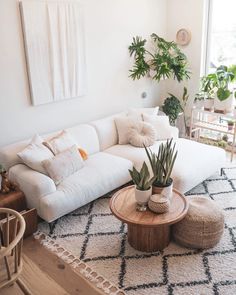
[61, 142]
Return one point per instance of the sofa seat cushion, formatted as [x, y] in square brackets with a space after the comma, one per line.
[195, 161]
[102, 172]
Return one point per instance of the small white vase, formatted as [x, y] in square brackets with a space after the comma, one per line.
[142, 197]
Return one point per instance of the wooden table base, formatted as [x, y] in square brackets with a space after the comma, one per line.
[148, 239]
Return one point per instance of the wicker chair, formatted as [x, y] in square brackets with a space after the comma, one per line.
[12, 229]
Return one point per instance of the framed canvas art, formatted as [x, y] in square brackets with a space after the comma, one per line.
[54, 45]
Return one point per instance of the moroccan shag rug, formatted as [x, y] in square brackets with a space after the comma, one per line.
[94, 240]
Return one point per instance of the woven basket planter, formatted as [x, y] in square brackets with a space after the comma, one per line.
[202, 227]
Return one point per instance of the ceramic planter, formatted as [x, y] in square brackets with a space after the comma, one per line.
[224, 106]
[199, 104]
[208, 104]
[163, 190]
[142, 197]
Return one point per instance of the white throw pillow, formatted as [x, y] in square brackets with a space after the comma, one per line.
[64, 164]
[123, 125]
[34, 154]
[142, 134]
[161, 125]
[60, 142]
[137, 112]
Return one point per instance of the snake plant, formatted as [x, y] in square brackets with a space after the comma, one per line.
[162, 163]
[141, 178]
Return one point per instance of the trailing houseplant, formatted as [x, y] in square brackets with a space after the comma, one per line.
[143, 185]
[162, 165]
[165, 61]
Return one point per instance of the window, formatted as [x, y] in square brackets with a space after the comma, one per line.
[221, 45]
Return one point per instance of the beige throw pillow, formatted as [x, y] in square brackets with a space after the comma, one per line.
[64, 164]
[123, 125]
[60, 142]
[142, 134]
[34, 154]
[161, 125]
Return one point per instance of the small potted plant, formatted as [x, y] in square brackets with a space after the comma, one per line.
[172, 108]
[230, 125]
[207, 90]
[222, 78]
[162, 165]
[143, 186]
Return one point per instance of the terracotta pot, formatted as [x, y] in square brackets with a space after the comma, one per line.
[142, 197]
[163, 190]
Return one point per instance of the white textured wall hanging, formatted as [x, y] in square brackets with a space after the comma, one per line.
[54, 45]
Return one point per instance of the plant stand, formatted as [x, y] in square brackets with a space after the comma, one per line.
[212, 121]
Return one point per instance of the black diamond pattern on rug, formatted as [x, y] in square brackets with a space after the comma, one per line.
[94, 235]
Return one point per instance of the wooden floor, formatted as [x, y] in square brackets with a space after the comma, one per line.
[46, 274]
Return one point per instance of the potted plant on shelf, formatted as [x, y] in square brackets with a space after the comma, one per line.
[207, 90]
[143, 186]
[162, 165]
[230, 125]
[221, 79]
[165, 61]
[199, 100]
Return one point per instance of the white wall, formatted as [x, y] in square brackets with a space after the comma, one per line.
[187, 14]
[109, 28]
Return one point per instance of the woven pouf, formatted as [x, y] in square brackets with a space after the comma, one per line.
[203, 225]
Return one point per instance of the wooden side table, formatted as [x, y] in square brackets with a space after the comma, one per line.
[147, 231]
[16, 200]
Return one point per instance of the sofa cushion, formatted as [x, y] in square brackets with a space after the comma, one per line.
[101, 173]
[86, 137]
[195, 161]
[106, 130]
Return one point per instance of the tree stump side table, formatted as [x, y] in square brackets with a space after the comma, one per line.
[147, 231]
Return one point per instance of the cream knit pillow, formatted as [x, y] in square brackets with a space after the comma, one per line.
[142, 134]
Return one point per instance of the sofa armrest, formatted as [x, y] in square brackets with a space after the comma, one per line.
[174, 132]
[35, 185]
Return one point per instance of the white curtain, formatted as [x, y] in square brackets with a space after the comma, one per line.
[54, 49]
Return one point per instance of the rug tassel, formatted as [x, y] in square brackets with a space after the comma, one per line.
[69, 258]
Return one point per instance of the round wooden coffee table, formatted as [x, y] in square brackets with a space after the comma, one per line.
[147, 231]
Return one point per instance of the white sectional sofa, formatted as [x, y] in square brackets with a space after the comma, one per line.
[105, 169]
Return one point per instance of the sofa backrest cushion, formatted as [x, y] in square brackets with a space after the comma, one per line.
[106, 130]
[84, 134]
[86, 137]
